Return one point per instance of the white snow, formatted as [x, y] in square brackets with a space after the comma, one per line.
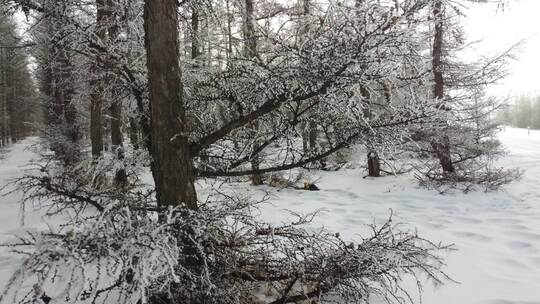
[497, 235]
[12, 165]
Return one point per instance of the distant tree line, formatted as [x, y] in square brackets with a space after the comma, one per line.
[17, 95]
[523, 113]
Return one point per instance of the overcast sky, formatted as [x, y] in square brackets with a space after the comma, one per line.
[499, 29]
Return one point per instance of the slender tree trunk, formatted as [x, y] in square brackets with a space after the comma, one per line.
[440, 145]
[3, 98]
[46, 81]
[172, 164]
[195, 39]
[438, 41]
[117, 138]
[250, 51]
[13, 100]
[310, 134]
[96, 117]
[9, 95]
[229, 32]
[117, 141]
[134, 133]
[3, 89]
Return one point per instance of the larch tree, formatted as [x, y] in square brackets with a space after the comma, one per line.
[172, 163]
[440, 144]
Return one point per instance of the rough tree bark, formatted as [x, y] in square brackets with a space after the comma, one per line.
[172, 165]
[440, 145]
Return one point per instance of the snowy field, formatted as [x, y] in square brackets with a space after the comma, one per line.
[497, 235]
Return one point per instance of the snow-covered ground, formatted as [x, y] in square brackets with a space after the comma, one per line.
[497, 235]
[12, 164]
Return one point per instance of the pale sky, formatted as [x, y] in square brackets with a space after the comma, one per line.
[499, 29]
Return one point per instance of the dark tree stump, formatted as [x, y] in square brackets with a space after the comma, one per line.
[374, 169]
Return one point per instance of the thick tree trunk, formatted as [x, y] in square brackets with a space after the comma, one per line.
[441, 146]
[172, 165]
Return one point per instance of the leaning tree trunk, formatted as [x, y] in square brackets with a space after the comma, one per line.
[440, 145]
[172, 165]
